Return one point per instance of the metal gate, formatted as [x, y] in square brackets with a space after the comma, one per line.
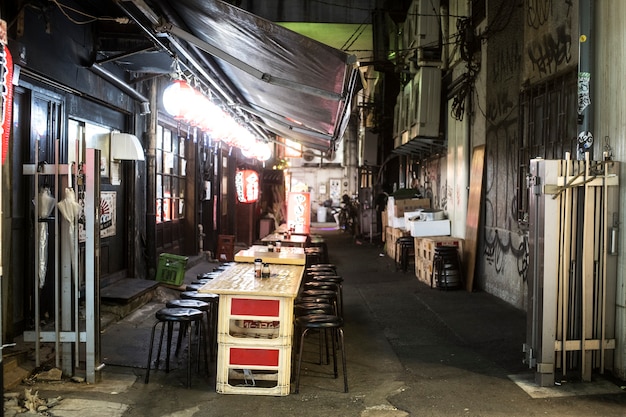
[573, 219]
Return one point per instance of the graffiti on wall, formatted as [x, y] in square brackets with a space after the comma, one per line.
[548, 37]
[503, 247]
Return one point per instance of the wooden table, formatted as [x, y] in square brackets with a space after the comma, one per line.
[255, 328]
[286, 256]
[293, 240]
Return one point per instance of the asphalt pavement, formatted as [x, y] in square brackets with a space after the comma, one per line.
[411, 351]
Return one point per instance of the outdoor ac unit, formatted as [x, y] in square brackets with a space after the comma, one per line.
[314, 157]
[421, 27]
[425, 107]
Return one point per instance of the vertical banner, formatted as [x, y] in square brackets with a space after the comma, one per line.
[6, 80]
[299, 212]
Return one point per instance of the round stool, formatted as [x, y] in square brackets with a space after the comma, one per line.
[193, 287]
[322, 322]
[198, 305]
[335, 279]
[330, 295]
[313, 255]
[213, 300]
[170, 316]
[324, 266]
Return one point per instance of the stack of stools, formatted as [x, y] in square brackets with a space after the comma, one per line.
[186, 318]
[446, 268]
[319, 306]
[404, 252]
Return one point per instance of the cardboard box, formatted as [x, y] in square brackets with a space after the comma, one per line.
[410, 204]
[391, 208]
[397, 222]
[421, 228]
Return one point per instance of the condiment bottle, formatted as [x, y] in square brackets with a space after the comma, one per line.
[265, 271]
[258, 265]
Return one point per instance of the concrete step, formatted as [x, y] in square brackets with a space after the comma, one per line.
[125, 296]
[13, 372]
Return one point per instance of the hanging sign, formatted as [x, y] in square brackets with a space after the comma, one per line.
[247, 185]
[299, 212]
[7, 93]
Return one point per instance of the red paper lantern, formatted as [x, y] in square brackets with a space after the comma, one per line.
[247, 185]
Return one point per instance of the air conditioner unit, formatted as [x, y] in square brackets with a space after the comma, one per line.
[425, 107]
[314, 157]
[423, 21]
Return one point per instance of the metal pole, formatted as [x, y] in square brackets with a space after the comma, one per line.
[92, 264]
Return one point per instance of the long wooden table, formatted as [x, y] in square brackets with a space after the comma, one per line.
[255, 328]
[293, 240]
[286, 256]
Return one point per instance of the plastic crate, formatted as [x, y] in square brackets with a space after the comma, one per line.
[171, 269]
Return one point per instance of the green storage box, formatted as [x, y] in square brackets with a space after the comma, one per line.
[171, 269]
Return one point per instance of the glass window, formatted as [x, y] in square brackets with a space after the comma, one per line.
[171, 169]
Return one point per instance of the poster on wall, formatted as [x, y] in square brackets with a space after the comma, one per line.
[108, 216]
[335, 190]
[107, 213]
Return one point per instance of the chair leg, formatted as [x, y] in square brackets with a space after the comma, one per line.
[150, 351]
[188, 329]
[343, 359]
[168, 348]
[334, 354]
[299, 368]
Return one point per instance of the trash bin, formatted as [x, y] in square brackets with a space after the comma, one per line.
[171, 269]
[321, 214]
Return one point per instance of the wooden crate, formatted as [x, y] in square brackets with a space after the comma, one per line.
[392, 236]
[423, 270]
[427, 245]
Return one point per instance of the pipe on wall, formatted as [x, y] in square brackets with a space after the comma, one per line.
[122, 85]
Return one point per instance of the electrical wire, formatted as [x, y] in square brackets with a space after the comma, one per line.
[64, 8]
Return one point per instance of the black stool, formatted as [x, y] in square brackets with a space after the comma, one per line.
[170, 316]
[335, 279]
[329, 285]
[405, 248]
[329, 295]
[322, 322]
[213, 300]
[313, 255]
[446, 272]
[198, 305]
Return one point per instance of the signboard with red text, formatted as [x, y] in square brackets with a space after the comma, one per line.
[299, 212]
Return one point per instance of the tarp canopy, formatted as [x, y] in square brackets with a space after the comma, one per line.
[294, 86]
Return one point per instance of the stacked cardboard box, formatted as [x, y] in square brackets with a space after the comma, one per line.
[425, 253]
[397, 208]
[391, 236]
